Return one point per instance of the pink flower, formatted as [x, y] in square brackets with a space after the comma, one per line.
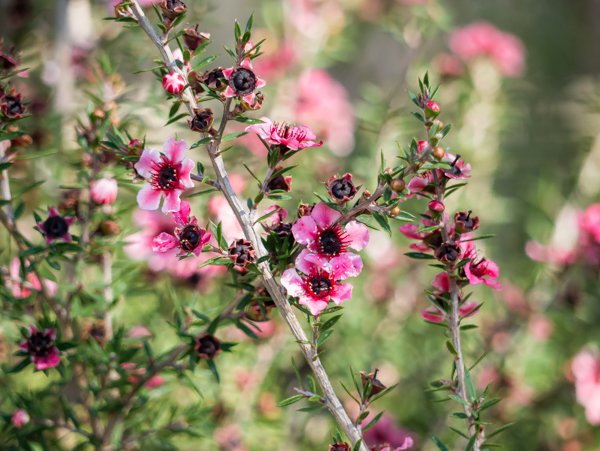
[459, 170]
[287, 136]
[483, 39]
[387, 435]
[41, 348]
[274, 63]
[166, 174]
[173, 83]
[188, 237]
[549, 254]
[20, 289]
[104, 191]
[242, 82]
[56, 227]
[480, 271]
[586, 371]
[589, 222]
[320, 233]
[20, 418]
[320, 282]
[323, 104]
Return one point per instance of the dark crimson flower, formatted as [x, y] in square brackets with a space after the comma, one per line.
[448, 252]
[242, 82]
[56, 227]
[213, 79]
[321, 234]
[376, 385]
[11, 105]
[173, 83]
[281, 182]
[41, 348]
[167, 174]
[194, 39]
[340, 446]
[465, 223]
[172, 8]
[320, 282]
[286, 136]
[341, 189]
[188, 236]
[202, 121]
[207, 346]
[241, 253]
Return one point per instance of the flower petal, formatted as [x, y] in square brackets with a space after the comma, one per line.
[308, 263]
[184, 175]
[182, 216]
[146, 163]
[148, 198]
[324, 216]
[49, 361]
[358, 234]
[346, 265]
[305, 230]
[314, 306]
[292, 282]
[164, 242]
[175, 150]
[441, 282]
[172, 201]
[341, 293]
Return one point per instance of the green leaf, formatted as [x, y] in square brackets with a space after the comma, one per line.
[213, 369]
[5, 165]
[500, 430]
[439, 443]
[234, 135]
[176, 118]
[383, 222]
[470, 388]
[373, 422]
[248, 120]
[419, 255]
[290, 400]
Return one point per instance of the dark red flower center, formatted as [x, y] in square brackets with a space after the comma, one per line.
[320, 285]
[331, 242]
[454, 168]
[448, 252]
[55, 226]
[243, 81]
[189, 238]
[479, 268]
[465, 219]
[14, 107]
[207, 346]
[165, 174]
[342, 189]
[39, 344]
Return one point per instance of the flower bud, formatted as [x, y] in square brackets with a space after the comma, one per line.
[464, 223]
[436, 206]
[202, 121]
[20, 418]
[108, 228]
[194, 39]
[432, 108]
[173, 83]
[172, 8]
[421, 146]
[439, 152]
[207, 346]
[104, 191]
[371, 378]
[395, 211]
[398, 185]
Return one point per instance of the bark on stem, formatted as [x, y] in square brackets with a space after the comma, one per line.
[275, 290]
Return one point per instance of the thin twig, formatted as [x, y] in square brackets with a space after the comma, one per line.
[273, 287]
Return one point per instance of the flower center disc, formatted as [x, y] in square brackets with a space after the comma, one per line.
[55, 226]
[189, 237]
[320, 285]
[341, 188]
[166, 176]
[207, 346]
[243, 81]
[330, 242]
[39, 345]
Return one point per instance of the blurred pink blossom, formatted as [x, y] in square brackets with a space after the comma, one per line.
[586, 371]
[219, 210]
[483, 39]
[272, 64]
[549, 254]
[540, 327]
[322, 103]
[20, 289]
[386, 431]
[20, 418]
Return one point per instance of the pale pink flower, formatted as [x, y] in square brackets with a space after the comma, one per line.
[319, 283]
[540, 327]
[104, 191]
[323, 104]
[549, 254]
[586, 370]
[20, 289]
[19, 418]
[287, 136]
[167, 174]
[273, 64]
[483, 39]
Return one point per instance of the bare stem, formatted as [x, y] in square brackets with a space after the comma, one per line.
[273, 287]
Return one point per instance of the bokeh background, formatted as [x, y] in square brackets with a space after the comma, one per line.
[520, 84]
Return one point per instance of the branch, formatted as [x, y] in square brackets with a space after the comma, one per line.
[275, 290]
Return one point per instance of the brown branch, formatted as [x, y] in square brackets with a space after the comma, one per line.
[274, 288]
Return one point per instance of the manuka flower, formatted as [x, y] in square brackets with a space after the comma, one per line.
[341, 189]
[56, 227]
[207, 346]
[481, 270]
[242, 82]
[287, 137]
[241, 253]
[11, 105]
[320, 281]
[459, 170]
[321, 235]
[188, 237]
[41, 348]
[166, 174]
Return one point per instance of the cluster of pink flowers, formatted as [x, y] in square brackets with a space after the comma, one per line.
[482, 39]
[326, 260]
[586, 372]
